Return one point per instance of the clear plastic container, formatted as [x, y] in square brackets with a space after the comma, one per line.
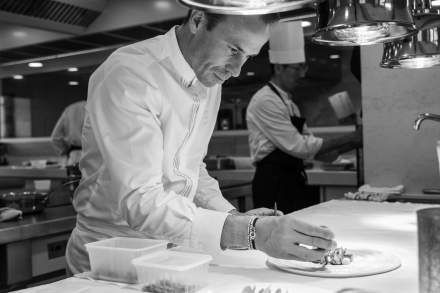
[172, 271]
[110, 259]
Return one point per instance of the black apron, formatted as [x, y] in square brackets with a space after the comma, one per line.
[281, 178]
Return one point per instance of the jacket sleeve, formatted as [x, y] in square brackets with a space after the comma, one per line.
[125, 108]
[276, 126]
[208, 194]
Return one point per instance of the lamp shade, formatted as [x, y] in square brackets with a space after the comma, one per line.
[247, 7]
[362, 22]
[418, 51]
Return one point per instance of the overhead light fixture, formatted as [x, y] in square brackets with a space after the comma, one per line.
[72, 69]
[334, 56]
[73, 83]
[305, 23]
[247, 7]
[362, 22]
[17, 76]
[421, 50]
[162, 4]
[19, 34]
[35, 64]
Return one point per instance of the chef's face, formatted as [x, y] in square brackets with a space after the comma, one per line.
[221, 51]
[290, 74]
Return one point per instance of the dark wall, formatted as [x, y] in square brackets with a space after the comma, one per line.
[49, 94]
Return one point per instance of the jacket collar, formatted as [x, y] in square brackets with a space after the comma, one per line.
[184, 70]
[285, 95]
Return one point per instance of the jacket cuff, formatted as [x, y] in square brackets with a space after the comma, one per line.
[318, 145]
[207, 230]
[219, 203]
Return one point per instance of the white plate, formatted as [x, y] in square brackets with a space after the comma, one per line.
[266, 288]
[365, 262]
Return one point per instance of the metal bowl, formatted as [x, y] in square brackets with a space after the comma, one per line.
[26, 201]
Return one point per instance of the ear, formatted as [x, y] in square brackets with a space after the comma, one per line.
[196, 20]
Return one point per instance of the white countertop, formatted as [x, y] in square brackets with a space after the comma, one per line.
[387, 227]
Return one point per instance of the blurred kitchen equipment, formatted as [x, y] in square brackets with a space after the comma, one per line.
[434, 190]
[417, 125]
[6, 117]
[428, 227]
[421, 50]
[3, 152]
[362, 22]
[26, 201]
[342, 105]
[247, 7]
[73, 177]
[219, 163]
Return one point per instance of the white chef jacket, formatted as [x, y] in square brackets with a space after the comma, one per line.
[268, 121]
[67, 131]
[147, 128]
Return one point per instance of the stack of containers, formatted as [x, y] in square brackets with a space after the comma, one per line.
[110, 259]
[148, 262]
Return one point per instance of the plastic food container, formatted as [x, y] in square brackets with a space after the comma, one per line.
[110, 259]
[172, 271]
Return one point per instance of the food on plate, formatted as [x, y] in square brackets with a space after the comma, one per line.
[337, 256]
[250, 289]
[167, 286]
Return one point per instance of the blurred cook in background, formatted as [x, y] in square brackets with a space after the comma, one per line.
[278, 136]
[66, 135]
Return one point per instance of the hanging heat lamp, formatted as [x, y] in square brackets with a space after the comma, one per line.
[362, 22]
[247, 7]
[421, 50]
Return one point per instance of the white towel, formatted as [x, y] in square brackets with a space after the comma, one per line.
[367, 192]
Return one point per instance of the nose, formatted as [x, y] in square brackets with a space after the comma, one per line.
[235, 65]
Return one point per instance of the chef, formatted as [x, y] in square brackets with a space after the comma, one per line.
[151, 110]
[278, 135]
[66, 135]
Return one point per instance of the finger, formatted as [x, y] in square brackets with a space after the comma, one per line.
[304, 254]
[312, 230]
[263, 212]
[313, 241]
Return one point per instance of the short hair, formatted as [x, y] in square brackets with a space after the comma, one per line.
[215, 18]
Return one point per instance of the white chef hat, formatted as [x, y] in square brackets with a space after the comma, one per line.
[286, 44]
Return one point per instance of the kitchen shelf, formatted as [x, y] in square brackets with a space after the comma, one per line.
[32, 173]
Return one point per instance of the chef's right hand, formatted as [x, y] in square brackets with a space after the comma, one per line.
[281, 237]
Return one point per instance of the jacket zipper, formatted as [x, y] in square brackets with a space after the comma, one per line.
[176, 161]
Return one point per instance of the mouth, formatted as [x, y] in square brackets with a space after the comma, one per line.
[219, 77]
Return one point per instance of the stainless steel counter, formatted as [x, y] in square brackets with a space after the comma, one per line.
[50, 221]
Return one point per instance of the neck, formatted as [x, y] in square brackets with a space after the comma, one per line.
[184, 39]
[276, 81]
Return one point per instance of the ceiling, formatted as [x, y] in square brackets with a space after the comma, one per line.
[86, 42]
[77, 33]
